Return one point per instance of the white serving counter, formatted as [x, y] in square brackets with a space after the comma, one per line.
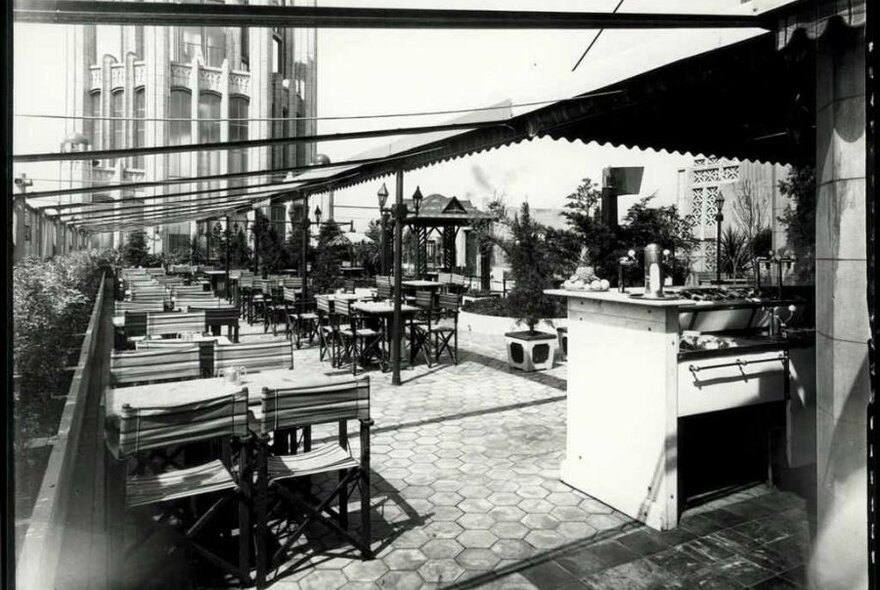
[628, 389]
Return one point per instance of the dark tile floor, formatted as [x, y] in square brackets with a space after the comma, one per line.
[760, 543]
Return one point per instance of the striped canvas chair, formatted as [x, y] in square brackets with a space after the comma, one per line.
[328, 329]
[301, 317]
[384, 291]
[359, 343]
[289, 409]
[138, 432]
[179, 363]
[174, 323]
[254, 356]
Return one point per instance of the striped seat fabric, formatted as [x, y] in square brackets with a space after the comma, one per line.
[175, 322]
[383, 292]
[177, 484]
[184, 290]
[155, 272]
[254, 356]
[330, 457]
[127, 368]
[292, 283]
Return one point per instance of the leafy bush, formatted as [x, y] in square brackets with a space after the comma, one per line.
[52, 301]
[135, 251]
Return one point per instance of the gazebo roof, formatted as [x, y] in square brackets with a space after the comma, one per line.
[437, 210]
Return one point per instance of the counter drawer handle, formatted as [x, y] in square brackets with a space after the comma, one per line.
[737, 363]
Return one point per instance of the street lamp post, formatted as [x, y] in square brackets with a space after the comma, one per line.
[383, 238]
[417, 232]
[719, 217]
[304, 254]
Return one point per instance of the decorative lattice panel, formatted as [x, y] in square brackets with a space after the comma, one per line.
[730, 173]
[709, 249]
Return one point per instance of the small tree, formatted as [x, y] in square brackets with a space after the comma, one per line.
[325, 274]
[530, 265]
[799, 218]
[135, 251]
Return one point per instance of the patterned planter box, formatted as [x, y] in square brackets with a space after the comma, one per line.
[530, 351]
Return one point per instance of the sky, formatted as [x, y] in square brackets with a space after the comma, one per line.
[392, 71]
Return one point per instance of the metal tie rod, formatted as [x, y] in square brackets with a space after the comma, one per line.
[336, 17]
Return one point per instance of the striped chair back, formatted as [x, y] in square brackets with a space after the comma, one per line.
[196, 290]
[458, 280]
[188, 303]
[383, 280]
[292, 282]
[260, 285]
[121, 307]
[348, 286]
[164, 344]
[343, 308]
[246, 281]
[425, 300]
[291, 295]
[254, 356]
[202, 268]
[311, 404]
[384, 292]
[325, 305]
[155, 365]
[143, 429]
[175, 322]
[183, 269]
[169, 280]
[448, 301]
[220, 314]
[444, 278]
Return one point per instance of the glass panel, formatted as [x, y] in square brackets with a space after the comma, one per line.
[117, 125]
[93, 126]
[209, 132]
[214, 47]
[140, 126]
[238, 131]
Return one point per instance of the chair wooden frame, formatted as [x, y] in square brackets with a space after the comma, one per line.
[359, 344]
[301, 408]
[144, 430]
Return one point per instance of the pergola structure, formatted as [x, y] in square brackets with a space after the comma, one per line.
[445, 216]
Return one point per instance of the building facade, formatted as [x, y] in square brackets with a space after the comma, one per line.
[146, 86]
[700, 185]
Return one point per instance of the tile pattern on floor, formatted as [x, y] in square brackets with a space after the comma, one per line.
[466, 493]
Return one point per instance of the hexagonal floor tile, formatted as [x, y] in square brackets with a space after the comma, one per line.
[404, 559]
[440, 571]
[442, 548]
[401, 581]
[477, 539]
[509, 530]
[476, 521]
[323, 580]
[365, 571]
[477, 559]
[512, 549]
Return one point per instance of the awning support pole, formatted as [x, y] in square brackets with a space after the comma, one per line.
[399, 220]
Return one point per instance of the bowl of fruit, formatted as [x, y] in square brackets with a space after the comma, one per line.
[585, 279]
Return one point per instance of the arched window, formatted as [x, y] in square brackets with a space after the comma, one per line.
[140, 125]
[209, 132]
[238, 131]
[117, 124]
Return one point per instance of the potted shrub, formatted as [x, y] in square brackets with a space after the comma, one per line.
[530, 265]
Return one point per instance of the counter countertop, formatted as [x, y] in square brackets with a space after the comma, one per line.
[617, 297]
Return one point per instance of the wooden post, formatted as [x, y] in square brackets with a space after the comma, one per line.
[396, 326]
[304, 254]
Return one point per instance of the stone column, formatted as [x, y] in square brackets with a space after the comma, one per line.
[840, 559]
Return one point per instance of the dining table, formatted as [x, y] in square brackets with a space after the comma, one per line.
[173, 393]
[383, 311]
